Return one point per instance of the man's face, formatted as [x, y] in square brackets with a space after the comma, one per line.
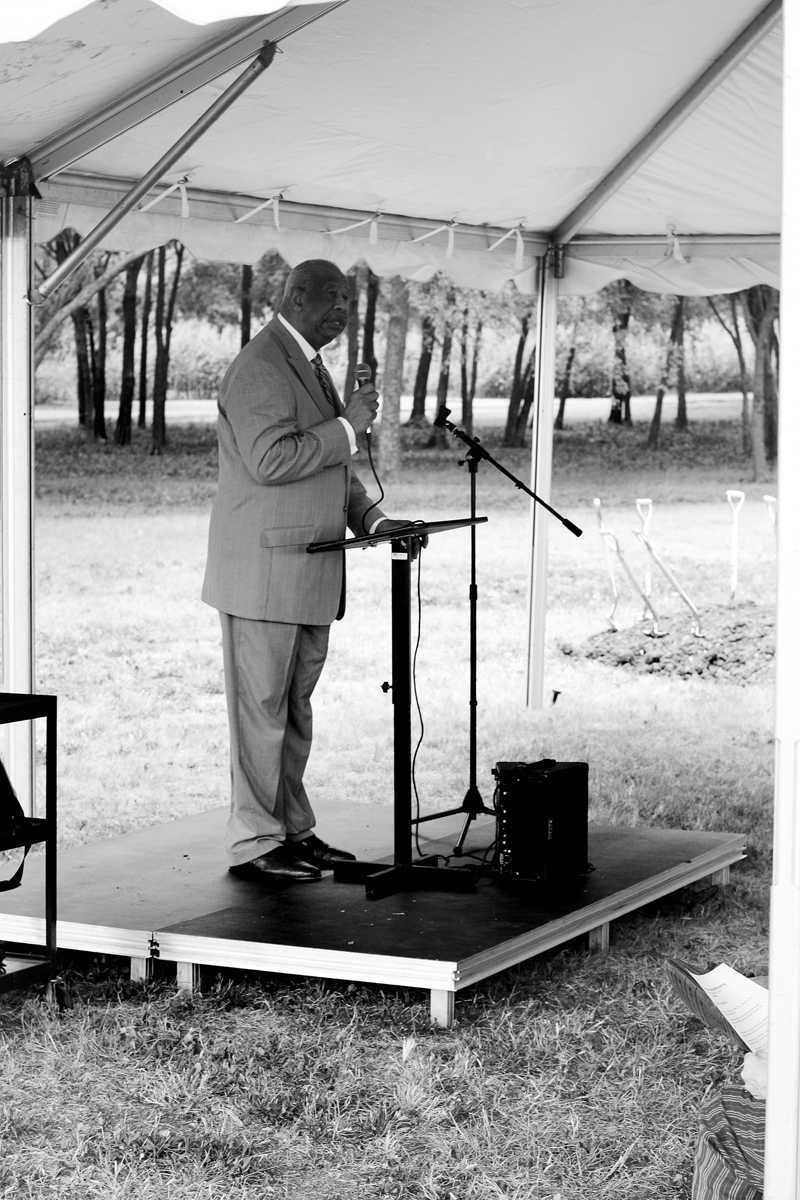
[321, 308]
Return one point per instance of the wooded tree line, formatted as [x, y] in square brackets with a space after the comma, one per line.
[137, 299]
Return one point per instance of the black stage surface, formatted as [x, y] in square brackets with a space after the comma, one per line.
[164, 892]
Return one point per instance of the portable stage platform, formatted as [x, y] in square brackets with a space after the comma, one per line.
[164, 892]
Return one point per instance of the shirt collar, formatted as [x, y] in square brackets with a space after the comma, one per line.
[306, 347]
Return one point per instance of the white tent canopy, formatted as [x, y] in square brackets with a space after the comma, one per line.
[555, 144]
[454, 125]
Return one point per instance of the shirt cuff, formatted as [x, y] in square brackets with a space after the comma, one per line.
[351, 437]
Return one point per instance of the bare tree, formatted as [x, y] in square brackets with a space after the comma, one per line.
[438, 436]
[760, 310]
[396, 332]
[519, 380]
[734, 333]
[122, 429]
[147, 301]
[245, 303]
[666, 371]
[165, 311]
[368, 342]
[418, 416]
[354, 287]
[681, 414]
[99, 365]
[622, 301]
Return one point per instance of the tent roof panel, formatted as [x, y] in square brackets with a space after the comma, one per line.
[508, 115]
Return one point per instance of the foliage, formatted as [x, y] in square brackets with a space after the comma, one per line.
[210, 291]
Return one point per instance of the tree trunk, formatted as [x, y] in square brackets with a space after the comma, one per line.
[396, 332]
[476, 351]
[84, 352]
[669, 359]
[165, 311]
[734, 333]
[159, 373]
[466, 402]
[438, 436]
[564, 388]
[761, 308]
[122, 429]
[517, 381]
[354, 287]
[418, 416]
[99, 365]
[565, 382]
[681, 417]
[368, 343]
[246, 302]
[527, 401]
[771, 367]
[620, 413]
[146, 303]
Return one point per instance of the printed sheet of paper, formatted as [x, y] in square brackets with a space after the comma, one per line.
[743, 1002]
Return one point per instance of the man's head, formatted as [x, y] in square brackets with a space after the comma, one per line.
[315, 300]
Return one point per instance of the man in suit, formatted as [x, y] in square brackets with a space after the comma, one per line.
[286, 445]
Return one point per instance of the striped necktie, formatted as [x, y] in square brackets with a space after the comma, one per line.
[325, 382]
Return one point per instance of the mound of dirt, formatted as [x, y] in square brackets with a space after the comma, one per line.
[735, 644]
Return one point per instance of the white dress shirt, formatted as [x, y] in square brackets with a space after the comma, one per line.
[310, 353]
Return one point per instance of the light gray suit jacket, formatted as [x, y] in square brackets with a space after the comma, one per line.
[285, 479]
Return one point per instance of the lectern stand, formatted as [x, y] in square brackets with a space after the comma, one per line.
[402, 875]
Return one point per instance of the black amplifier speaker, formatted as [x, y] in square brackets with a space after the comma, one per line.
[542, 813]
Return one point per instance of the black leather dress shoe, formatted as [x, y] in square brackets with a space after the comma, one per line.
[314, 850]
[277, 864]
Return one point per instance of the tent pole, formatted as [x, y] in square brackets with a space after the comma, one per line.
[541, 469]
[192, 134]
[782, 1168]
[16, 467]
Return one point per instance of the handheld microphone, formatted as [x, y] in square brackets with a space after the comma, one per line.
[363, 374]
[363, 377]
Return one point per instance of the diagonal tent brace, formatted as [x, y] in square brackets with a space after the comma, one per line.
[669, 121]
[152, 96]
[156, 172]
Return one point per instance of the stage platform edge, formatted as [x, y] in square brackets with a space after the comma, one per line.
[163, 893]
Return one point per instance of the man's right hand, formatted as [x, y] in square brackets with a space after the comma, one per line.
[362, 407]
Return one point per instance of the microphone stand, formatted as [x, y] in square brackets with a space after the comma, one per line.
[473, 804]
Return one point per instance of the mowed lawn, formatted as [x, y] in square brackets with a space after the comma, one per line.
[574, 1074]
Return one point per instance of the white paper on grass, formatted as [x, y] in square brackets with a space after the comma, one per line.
[743, 1002]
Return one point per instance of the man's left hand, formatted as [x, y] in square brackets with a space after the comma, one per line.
[387, 525]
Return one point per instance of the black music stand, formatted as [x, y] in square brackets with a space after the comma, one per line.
[402, 875]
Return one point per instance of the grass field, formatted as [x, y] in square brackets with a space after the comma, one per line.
[572, 1075]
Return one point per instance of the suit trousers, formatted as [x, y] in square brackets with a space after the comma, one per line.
[271, 669]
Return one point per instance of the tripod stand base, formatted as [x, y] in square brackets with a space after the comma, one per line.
[382, 880]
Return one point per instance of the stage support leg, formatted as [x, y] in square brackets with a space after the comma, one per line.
[187, 976]
[782, 1166]
[443, 1005]
[541, 471]
[141, 970]
[722, 877]
[599, 939]
[16, 471]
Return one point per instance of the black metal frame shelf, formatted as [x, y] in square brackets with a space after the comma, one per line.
[18, 706]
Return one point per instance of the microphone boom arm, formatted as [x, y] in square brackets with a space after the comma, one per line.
[478, 452]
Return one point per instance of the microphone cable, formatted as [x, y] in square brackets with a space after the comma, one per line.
[375, 476]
